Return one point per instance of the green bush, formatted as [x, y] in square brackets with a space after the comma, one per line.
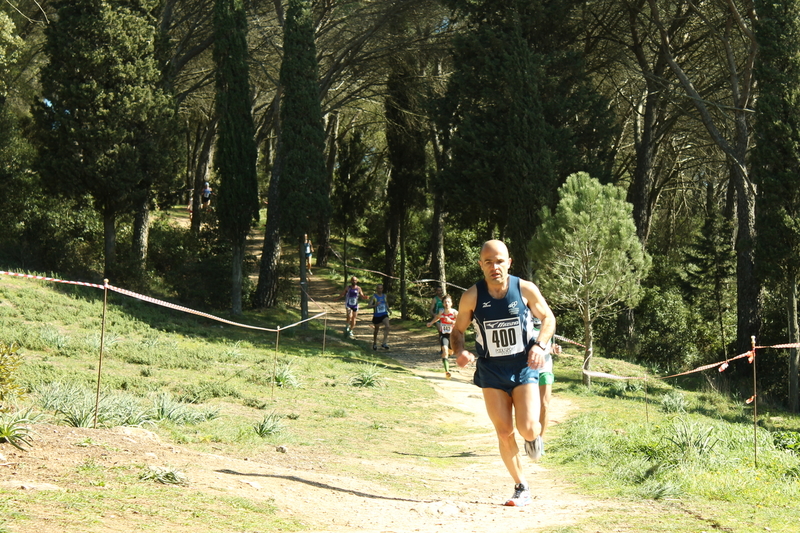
[664, 331]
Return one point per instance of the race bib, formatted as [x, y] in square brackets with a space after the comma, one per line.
[381, 309]
[446, 328]
[504, 337]
[352, 301]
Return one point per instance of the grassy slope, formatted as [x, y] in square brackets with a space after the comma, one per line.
[692, 468]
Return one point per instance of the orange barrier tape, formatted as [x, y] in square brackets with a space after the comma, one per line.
[162, 303]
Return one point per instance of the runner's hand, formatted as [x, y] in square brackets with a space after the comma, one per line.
[464, 358]
[536, 357]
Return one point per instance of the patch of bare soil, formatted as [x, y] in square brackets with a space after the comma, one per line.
[467, 498]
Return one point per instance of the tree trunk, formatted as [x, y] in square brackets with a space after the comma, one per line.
[392, 246]
[236, 276]
[748, 287]
[303, 283]
[436, 248]
[344, 258]
[324, 238]
[403, 286]
[588, 341]
[109, 242]
[794, 353]
[266, 294]
[141, 232]
[267, 289]
[201, 170]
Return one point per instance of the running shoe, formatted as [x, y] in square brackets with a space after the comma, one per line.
[521, 497]
[374, 346]
[447, 375]
[385, 346]
[351, 334]
[535, 448]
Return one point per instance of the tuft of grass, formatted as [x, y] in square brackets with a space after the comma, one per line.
[15, 430]
[269, 426]
[367, 375]
[164, 475]
[673, 402]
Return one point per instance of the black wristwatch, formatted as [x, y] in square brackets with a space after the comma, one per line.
[540, 345]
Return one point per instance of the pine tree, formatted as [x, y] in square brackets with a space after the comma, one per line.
[776, 159]
[235, 159]
[587, 254]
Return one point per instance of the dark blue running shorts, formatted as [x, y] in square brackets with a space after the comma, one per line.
[504, 373]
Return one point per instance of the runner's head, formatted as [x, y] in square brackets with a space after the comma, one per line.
[447, 301]
[495, 262]
[353, 281]
[379, 288]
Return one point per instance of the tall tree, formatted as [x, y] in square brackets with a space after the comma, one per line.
[235, 157]
[729, 127]
[522, 113]
[102, 113]
[776, 159]
[350, 190]
[406, 138]
[709, 271]
[303, 181]
[598, 262]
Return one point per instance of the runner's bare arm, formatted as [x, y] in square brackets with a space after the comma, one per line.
[434, 320]
[465, 308]
[538, 306]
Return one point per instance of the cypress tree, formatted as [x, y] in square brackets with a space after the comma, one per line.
[776, 159]
[102, 113]
[303, 190]
[235, 159]
[522, 114]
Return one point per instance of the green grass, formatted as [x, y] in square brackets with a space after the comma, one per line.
[673, 458]
[691, 459]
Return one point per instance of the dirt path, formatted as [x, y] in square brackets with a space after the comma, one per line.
[301, 483]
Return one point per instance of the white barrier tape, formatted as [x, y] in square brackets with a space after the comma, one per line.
[160, 302]
[415, 281]
[56, 280]
[200, 313]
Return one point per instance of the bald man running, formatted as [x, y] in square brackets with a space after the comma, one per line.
[509, 354]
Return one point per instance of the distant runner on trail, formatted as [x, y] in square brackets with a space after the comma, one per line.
[501, 308]
[380, 316]
[437, 304]
[446, 318]
[351, 294]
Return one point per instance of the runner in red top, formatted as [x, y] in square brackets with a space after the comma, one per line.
[446, 318]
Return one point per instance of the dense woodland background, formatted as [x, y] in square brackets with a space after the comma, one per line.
[400, 134]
